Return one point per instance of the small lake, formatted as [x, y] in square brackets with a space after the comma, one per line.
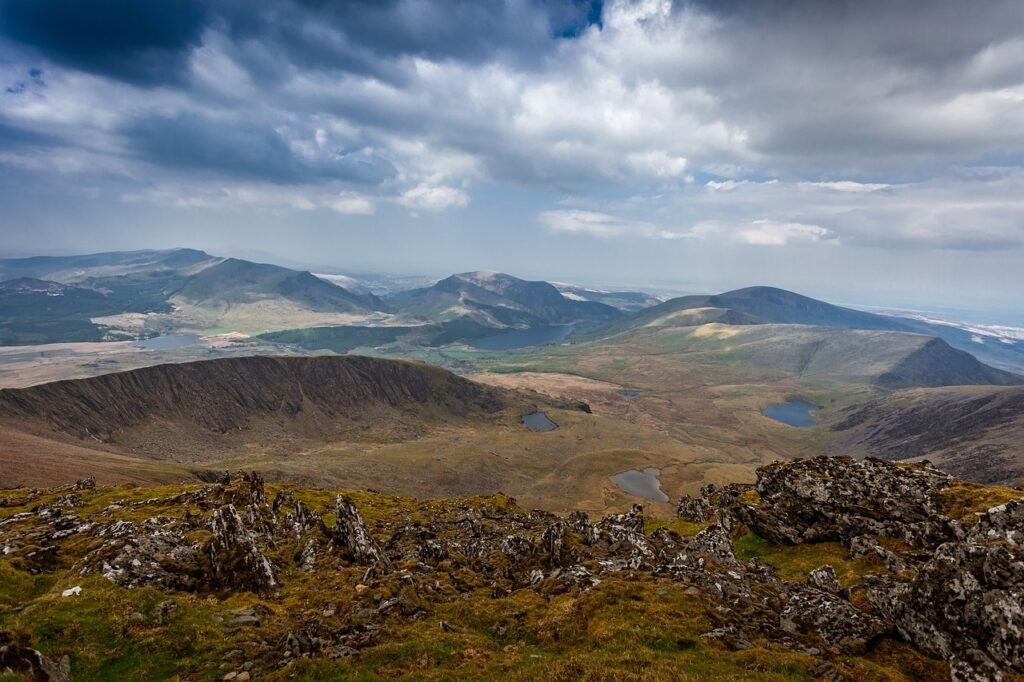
[643, 484]
[538, 421]
[523, 338]
[168, 342]
[628, 392]
[793, 412]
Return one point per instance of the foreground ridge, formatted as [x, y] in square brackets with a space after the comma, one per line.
[283, 581]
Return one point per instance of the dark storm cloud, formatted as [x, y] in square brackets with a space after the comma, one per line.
[148, 42]
[145, 42]
[244, 150]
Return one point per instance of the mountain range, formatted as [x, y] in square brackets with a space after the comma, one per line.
[142, 293]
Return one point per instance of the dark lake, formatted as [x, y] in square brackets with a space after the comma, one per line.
[628, 392]
[168, 342]
[643, 484]
[794, 413]
[523, 338]
[538, 421]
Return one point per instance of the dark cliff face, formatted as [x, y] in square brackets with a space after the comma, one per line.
[936, 363]
[222, 395]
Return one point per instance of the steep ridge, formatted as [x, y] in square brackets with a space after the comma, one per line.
[936, 363]
[225, 394]
[972, 432]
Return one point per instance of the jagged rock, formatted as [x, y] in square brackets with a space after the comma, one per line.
[695, 509]
[307, 557]
[630, 522]
[714, 541]
[833, 619]
[836, 499]
[966, 604]
[626, 532]
[131, 557]
[552, 544]
[22, 658]
[579, 523]
[1005, 523]
[292, 516]
[862, 546]
[960, 599]
[351, 537]
[235, 560]
[824, 578]
[415, 542]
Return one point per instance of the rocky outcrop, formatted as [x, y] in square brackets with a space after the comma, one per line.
[836, 498]
[966, 603]
[350, 537]
[235, 560]
[19, 657]
[953, 592]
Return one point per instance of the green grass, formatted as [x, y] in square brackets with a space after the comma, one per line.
[795, 562]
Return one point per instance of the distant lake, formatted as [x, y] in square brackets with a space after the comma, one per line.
[628, 392]
[523, 338]
[168, 342]
[794, 413]
[643, 484]
[538, 421]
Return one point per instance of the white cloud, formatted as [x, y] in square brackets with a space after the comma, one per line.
[773, 233]
[761, 232]
[845, 186]
[352, 204]
[603, 225]
[588, 223]
[433, 197]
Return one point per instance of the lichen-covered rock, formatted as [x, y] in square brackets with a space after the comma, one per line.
[862, 546]
[132, 557]
[352, 539]
[695, 509]
[965, 604]
[836, 499]
[552, 544]
[959, 599]
[1003, 523]
[623, 536]
[824, 578]
[835, 620]
[234, 558]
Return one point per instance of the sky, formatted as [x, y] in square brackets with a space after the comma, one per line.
[868, 152]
